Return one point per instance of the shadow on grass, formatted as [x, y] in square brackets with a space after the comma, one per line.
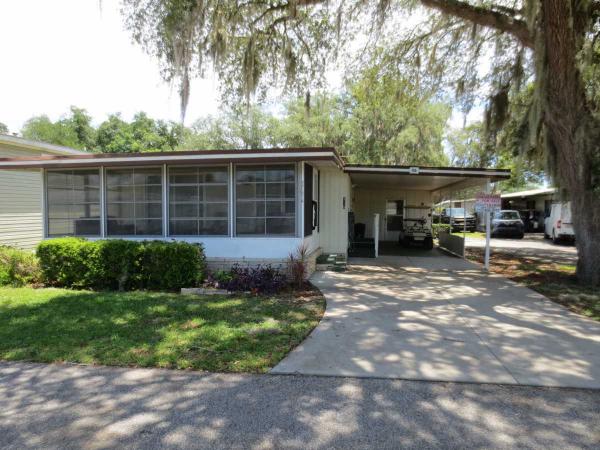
[554, 279]
[145, 329]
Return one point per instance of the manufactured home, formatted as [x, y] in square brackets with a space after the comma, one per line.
[253, 206]
[21, 223]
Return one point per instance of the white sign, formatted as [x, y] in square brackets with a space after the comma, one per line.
[487, 202]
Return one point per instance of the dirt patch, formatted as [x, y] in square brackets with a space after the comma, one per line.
[556, 281]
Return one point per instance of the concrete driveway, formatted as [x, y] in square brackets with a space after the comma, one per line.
[443, 319]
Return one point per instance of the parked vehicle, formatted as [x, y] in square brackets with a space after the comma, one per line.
[456, 218]
[416, 227]
[558, 225]
[533, 220]
[507, 223]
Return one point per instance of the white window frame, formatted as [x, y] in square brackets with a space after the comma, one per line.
[296, 200]
[45, 203]
[105, 207]
[168, 206]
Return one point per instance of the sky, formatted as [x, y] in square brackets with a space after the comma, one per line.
[58, 53]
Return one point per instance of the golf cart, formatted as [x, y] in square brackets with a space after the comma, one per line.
[416, 227]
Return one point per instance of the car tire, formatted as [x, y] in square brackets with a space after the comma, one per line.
[521, 236]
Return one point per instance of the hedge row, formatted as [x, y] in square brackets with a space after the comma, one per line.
[438, 227]
[120, 264]
[18, 267]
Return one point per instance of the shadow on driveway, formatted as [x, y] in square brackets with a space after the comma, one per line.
[63, 407]
[409, 318]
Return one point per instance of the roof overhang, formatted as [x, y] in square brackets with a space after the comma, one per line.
[433, 179]
[530, 193]
[273, 155]
[28, 144]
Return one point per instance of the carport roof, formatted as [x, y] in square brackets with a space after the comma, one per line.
[411, 177]
[422, 177]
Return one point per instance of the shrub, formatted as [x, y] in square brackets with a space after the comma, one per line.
[70, 262]
[18, 267]
[121, 264]
[171, 265]
[258, 280]
[297, 269]
[219, 279]
[437, 227]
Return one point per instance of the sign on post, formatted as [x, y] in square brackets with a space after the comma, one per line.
[487, 204]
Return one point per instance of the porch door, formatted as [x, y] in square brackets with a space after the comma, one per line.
[394, 215]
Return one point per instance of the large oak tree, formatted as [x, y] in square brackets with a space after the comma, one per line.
[255, 45]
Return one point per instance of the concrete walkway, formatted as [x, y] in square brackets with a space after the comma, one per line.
[443, 319]
[81, 407]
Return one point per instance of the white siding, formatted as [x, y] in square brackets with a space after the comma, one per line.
[20, 203]
[335, 186]
[20, 208]
[367, 201]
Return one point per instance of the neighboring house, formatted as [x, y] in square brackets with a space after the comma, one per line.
[534, 205]
[21, 222]
[252, 206]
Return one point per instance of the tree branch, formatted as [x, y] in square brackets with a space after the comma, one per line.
[484, 17]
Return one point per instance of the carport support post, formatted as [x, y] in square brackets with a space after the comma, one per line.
[487, 240]
[488, 214]
[376, 234]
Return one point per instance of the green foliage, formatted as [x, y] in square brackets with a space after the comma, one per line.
[113, 135]
[170, 265]
[42, 129]
[18, 267]
[437, 227]
[393, 120]
[471, 147]
[237, 128]
[380, 118]
[236, 333]
[121, 264]
[72, 130]
[3, 128]
[143, 134]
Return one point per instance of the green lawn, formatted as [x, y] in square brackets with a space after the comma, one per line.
[471, 234]
[216, 333]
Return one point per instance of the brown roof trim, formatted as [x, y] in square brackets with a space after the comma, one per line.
[173, 153]
[212, 162]
[349, 167]
[179, 157]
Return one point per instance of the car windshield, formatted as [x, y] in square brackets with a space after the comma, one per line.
[507, 215]
[454, 212]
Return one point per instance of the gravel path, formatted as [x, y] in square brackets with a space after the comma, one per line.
[67, 406]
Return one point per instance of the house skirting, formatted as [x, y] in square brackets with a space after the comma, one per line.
[215, 263]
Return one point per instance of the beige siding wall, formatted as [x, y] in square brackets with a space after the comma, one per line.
[335, 186]
[20, 203]
[367, 202]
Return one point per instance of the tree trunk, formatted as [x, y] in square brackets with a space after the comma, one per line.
[572, 132]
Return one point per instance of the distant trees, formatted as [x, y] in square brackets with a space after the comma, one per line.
[3, 128]
[72, 130]
[113, 135]
[142, 134]
[379, 118]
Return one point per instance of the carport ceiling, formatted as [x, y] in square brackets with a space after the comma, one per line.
[417, 182]
[422, 178]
